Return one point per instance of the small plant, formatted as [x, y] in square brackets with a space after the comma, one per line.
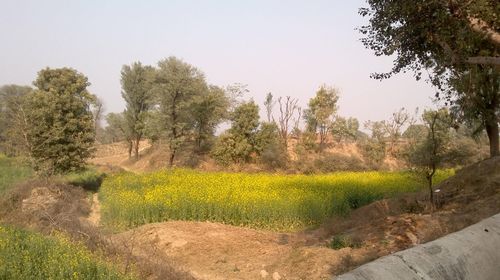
[342, 241]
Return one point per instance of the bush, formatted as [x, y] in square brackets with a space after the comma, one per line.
[341, 241]
[89, 179]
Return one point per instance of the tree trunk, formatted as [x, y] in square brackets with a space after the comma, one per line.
[136, 152]
[492, 131]
[171, 159]
[130, 144]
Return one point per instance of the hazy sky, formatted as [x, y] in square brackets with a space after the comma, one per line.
[283, 47]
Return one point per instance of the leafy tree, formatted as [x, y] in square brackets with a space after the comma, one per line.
[433, 151]
[475, 98]
[449, 40]
[320, 113]
[136, 81]
[344, 129]
[60, 121]
[209, 110]
[245, 121]
[240, 141]
[13, 119]
[118, 130]
[177, 86]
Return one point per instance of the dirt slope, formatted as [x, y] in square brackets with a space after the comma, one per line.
[216, 251]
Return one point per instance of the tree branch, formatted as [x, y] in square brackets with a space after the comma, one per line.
[483, 27]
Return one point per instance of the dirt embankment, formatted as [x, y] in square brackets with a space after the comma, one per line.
[216, 251]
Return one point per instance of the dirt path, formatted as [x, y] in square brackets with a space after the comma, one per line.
[95, 211]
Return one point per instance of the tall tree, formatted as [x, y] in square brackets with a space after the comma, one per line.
[445, 39]
[13, 120]
[209, 110]
[177, 86]
[61, 124]
[320, 113]
[136, 81]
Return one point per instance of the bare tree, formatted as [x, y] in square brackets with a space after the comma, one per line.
[288, 107]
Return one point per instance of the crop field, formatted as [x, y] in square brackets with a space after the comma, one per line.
[275, 202]
[28, 255]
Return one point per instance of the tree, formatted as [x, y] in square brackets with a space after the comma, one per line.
[13, 120]
[446, 39]
[240, 141]
[475, 97]
[320, 113]
[344, 129]
[269, 104]
[288, 107]
[136, 91]
[433, 151]
[177, 85]
[394, 126]
[60, 121]
[117, 130]
[209, 110]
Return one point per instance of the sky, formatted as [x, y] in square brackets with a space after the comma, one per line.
[283, 47]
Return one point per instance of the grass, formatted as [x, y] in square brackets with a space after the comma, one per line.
[28, 255]
[90, 179]
[12, 171]
[275, 202]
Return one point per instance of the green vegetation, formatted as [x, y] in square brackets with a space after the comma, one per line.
[275, 202]
[12, 171]
[89, 179]
[28, 255]
[341, 241]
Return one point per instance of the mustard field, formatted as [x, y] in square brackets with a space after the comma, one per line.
[275, 202]
[29, 255]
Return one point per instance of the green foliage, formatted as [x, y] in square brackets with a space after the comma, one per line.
[12, 171]
[344, 129]
[230, 149]
[28, 255]
[61, 125]
[278, 202]
[455, 42]
[320, 112]
[89, 179]
[373, 151]
[209, 110]
[342, 241]
[270, 147]
[136, 81]
[177, 86]
[238, 144]
[13, 119]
